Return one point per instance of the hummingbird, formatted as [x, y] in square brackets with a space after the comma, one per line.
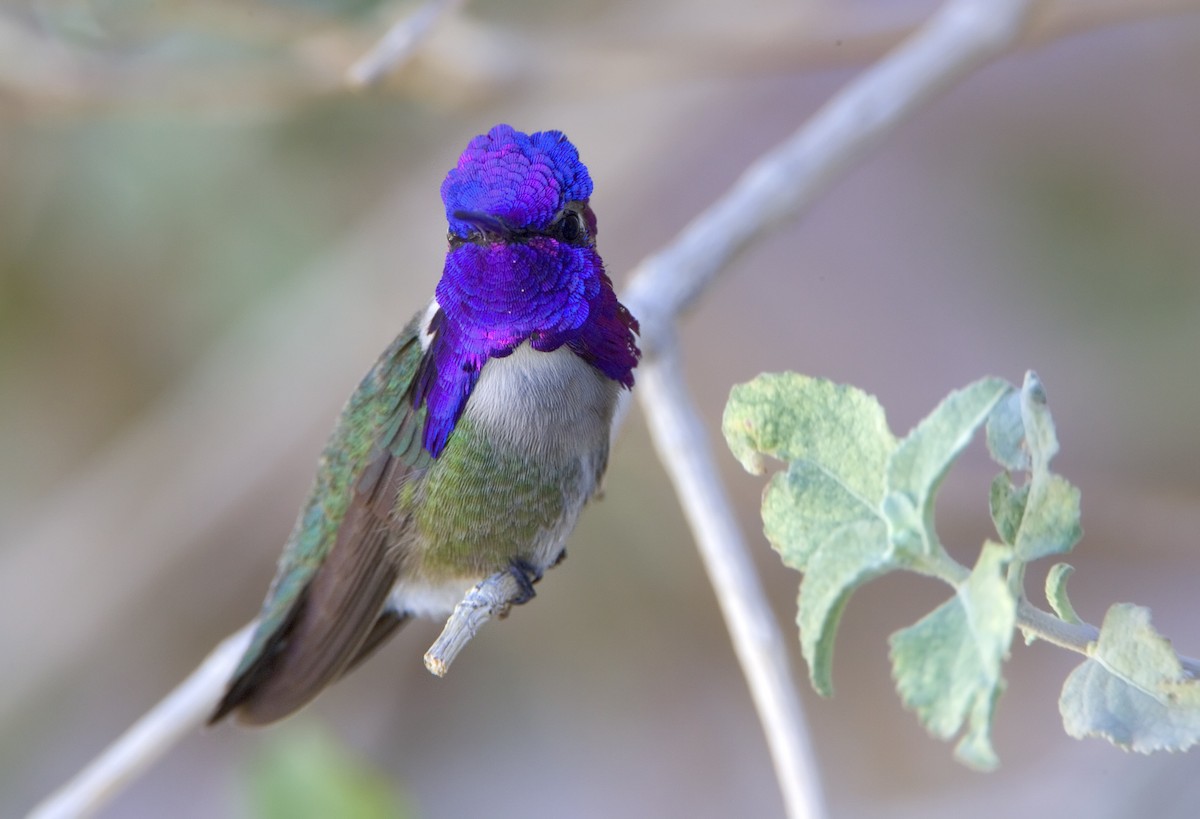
[473, 443]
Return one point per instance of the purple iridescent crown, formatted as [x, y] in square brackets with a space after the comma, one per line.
[522, 178]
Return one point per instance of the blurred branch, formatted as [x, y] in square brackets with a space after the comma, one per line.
[290, 55]
[150, 737]
[398, 45]
[961, 37]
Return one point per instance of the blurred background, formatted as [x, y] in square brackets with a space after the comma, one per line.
[205, 239]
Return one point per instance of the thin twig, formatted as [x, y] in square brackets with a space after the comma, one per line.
[679, 436]
[492, 597]
[399, 44]
[157, 731]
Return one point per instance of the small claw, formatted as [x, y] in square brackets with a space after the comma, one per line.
[525, 575]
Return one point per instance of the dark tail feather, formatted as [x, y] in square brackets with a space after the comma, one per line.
[339, 618]
[339, 615]
[243, 689]
[387, 625]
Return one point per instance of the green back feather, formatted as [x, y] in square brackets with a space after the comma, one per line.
[378, 415]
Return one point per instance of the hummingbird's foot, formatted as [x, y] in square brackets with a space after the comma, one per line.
[561, 557]
[526, 575]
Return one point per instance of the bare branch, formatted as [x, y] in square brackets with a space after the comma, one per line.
[492, 597]
[177, 715]
[680, 438]
[962, 36]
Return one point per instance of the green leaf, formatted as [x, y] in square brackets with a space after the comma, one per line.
[921, 460]
[804, 506]
[947, 665]
[1007, 503]
[796, 418]
[1040, 437]
[1051, 524]
[1056, 592]
[1133, 691]
[307, 775]
[822, 513]
[1040, 517]
[845, 560]
[1006, 434]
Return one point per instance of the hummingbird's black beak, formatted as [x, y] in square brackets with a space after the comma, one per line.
[486, 222]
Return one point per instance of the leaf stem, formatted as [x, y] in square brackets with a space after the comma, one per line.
[1043, 625]
[1077, 637]
[939, 565]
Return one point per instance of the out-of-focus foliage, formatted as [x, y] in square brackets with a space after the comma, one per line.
[129, 241]
[306, 774]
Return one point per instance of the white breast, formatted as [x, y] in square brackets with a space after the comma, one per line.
[549, 403]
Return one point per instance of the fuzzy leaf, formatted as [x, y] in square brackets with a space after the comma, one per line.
[1040, 517]
[1040, 436]
[1133, 691]
[1050, 525]
[1007, 503]
[921, 460]
[1056, 592]
[822, 513]
[804, 506]
[947, 665]
[1006, 434]
[844, 561]
[796, 418]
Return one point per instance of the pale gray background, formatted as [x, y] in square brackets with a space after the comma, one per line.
[203, 200]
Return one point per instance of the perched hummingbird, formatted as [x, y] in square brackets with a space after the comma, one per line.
[472, 445]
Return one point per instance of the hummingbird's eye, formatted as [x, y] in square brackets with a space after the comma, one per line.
[570, 227]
